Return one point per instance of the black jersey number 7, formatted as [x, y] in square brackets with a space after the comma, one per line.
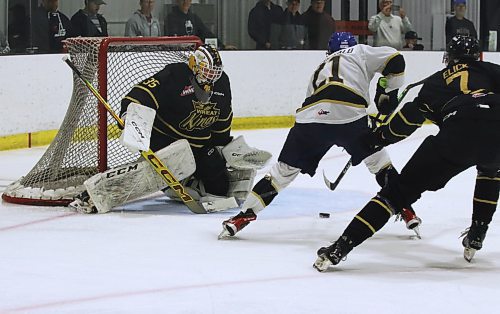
[335, 73]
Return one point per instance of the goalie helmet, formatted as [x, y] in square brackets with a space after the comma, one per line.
[206, 65]
[341, 40]
[462, 48]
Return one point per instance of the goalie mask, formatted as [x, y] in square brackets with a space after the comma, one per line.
[206, 65]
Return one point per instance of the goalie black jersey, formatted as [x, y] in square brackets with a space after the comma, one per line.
[179, 114]
[438, 96]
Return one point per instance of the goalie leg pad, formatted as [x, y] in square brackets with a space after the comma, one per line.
[240, 183]
[239, 155]
[117, 186]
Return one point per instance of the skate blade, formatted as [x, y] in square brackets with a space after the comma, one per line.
[224, 235]
[322, 263]
[469, 254]
[417, 233]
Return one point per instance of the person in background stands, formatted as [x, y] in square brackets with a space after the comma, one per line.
[458, 24]
[260, 19]
[182, 22]
[411, 39]
[293, 33]
[4, 45]
[142, 22]
[18, 29]
[388, 28]
[320, 25]
[50, 27]
[88, 23]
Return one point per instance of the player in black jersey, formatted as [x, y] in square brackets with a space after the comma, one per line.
[181, 112]
[463, 99]
[192, 101]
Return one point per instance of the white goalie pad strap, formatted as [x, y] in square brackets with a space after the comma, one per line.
[377, 161]
[211, 203]
[241, 156]
[136, 134]
[240, 183]
[117, 186]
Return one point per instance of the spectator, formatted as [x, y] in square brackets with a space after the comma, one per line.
[458, 24]
[293, 31]
[142, 22]
[18, 29]
[89, 23]
[320, 25]
[388, 28]
[260, 19]
[4, 45]
[411, 39]
[50, 27]
[181, 22]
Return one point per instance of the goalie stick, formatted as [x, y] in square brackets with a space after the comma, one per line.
[333, 185]
[152, 159]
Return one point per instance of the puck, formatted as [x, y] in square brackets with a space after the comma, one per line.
[324, 215]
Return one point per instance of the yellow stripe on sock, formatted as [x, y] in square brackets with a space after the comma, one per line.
[366, 223]
[488, 178]
[383, 206]
[484, 201]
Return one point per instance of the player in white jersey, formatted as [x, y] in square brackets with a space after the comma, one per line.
[333, 113]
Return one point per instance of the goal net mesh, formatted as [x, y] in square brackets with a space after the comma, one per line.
[87, 141]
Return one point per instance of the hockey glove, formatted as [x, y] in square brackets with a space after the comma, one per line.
[386, 102]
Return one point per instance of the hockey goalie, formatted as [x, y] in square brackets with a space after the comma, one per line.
[184, 114]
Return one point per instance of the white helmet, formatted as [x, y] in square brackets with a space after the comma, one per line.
[206, 65]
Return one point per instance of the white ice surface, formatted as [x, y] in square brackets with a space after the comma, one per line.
[153, 256]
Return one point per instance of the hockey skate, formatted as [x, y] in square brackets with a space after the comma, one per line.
[83, 204]
[411, 220]
[236, 223]
[473, 240]
[334, 254]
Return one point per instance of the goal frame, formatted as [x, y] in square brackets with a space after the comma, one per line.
[102, 114]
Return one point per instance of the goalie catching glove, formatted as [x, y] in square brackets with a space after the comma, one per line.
[385, 100]
[239, 155]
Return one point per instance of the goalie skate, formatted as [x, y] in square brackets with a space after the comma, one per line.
[234, 224]
[83, 204]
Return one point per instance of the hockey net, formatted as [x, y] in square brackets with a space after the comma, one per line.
[87, 141]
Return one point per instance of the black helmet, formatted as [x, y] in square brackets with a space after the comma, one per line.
[463, 48]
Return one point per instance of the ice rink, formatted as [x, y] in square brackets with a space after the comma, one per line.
[155, 256]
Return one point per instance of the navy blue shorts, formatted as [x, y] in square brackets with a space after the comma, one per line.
[306, 144]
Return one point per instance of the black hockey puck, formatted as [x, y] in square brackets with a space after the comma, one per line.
[324, 215]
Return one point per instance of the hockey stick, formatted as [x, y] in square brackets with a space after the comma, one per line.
[333, 185]
[154, 161]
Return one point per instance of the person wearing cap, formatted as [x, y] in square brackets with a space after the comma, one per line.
[292, 31]
[458, 24]
[87, 22]
[320, 25]
[387, 27]
[142, 22]
[411, 39]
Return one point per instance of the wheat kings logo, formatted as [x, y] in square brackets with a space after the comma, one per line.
[203, 116]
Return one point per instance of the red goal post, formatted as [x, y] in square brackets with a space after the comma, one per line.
[87, 141]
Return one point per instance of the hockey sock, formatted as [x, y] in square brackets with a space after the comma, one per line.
[265, 190]
[369, 220]
[485, 197]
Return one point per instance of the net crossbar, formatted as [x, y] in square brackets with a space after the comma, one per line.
[87, 141]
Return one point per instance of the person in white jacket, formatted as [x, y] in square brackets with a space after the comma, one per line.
[142, 23]
[389, 28]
